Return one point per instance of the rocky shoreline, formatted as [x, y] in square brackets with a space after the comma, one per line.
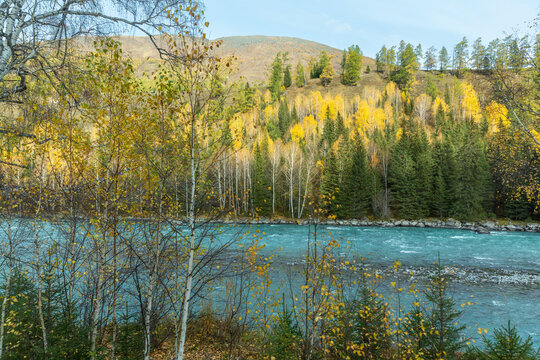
[479, 227]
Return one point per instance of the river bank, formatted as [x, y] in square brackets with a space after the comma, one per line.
[480, 227]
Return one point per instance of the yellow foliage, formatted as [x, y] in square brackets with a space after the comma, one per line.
[270, 112]
[470, 104]
[399, 134]
[438, 102]
[236, 127]
[297, 133]
[330, 105]
[536, 135]
[267, 97]
[388, 111]
[316, 101]
[497, 114]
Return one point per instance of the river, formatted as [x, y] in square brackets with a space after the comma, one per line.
[499, 273]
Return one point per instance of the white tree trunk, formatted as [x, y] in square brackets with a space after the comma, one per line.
[191, 223]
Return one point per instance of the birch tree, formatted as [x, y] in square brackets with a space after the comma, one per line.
[198, 73]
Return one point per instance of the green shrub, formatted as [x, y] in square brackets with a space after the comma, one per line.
[283, 343]
[506, 344]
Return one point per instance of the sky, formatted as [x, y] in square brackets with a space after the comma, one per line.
[370, 24]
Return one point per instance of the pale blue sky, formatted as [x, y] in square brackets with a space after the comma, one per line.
[370, 24]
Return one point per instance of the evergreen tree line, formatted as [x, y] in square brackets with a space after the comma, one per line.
[512, 52]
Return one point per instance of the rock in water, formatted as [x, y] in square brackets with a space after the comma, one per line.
[482, 230]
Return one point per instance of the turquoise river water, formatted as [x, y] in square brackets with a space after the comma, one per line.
[498, 273]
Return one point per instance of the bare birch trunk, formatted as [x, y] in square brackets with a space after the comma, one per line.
[291, 186]
[191, 223]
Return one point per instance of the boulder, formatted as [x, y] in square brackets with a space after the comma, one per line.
[481, 230]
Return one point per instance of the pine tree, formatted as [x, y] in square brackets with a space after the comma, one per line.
[341, 130]
[401, 178]
[294, 115]
[381, 59]
[431, 88]
[444, 178]
[262, 194]
[390, 61]
[329, 131]
[300, 79]
[284, 338]
[357, 181]
[443, 59]
[401, 49]
[284, 118]
[330, 184]
[478, 54]
[408, 66]
[461, 55]
[444, 337]
[276, 77]
[317, 67]
[352, 66]
[430, 57]
[473, 184]
[418, 52]
[287, 79]
[410, 173]
[423, 172]
[507, 344]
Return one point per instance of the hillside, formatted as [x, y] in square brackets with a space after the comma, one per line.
[254, 53]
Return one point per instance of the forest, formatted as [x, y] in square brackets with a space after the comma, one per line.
[404, 151]
[114, 184]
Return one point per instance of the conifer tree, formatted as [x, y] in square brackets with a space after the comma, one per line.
[381, 59]
[276, 77]
[430, 59]
[300, 79]
[461, 56]
[284, 117]
[408, 65]
[390, 61]
[401, 178]
[478, 54]
[401, 49]
[317, 67]
[287, 79]
[423, 172]
[443, 59]
[444, 178]
[444, 335]
[473, 176]
[262, 195]
[352, 66]
[340, 126]
[329, 131]
[357, 182]
[330, 184]
[507, 344]
[419, 52]
[431, 88]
